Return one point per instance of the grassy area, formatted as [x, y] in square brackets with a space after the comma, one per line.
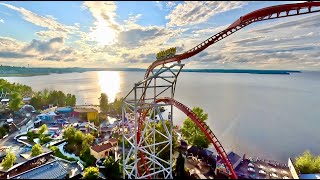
[57, 152]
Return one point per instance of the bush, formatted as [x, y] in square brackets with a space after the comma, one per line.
[88, 158]
[8, 161]
[45, 139]
[307, 163]
[36, 150]
[91, 173]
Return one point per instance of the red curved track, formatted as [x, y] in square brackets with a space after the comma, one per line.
[204, 128]
[268, 13]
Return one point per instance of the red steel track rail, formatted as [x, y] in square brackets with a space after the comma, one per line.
[268, 13]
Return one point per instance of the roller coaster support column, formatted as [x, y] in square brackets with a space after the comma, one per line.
[140, 148]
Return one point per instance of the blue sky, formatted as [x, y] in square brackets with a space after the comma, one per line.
[129, 34]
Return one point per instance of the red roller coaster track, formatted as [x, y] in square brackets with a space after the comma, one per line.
[268, 13]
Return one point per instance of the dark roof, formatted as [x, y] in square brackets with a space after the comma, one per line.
[233, 157]
[113, 140]
[101, 147]
[52, 170]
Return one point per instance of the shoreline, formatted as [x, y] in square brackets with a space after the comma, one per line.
[223, 71]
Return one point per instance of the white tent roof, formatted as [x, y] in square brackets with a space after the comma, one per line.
[9, 120]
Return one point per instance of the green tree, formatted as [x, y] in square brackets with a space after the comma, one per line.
[192, 133]
[104, 102]
[68, 134]
[160, 126]
[15, 102]
[43, 129]
[112, 170]
[78, 137]
[91, 173]
[89, 139]
[36, 101]
[8, 161]
[307, 163]
[36, 150]
[70, 100]
[117, 105]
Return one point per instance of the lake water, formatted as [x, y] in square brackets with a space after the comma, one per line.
[271, 116]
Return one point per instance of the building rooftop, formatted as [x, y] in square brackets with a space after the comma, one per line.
[113, 140]
[102, 147]
[261, 169]
[52, 170]
[82, 110]
[309, 176]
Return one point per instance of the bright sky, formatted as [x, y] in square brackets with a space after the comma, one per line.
[129, 34]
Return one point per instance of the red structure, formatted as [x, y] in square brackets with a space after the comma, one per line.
[267, 13]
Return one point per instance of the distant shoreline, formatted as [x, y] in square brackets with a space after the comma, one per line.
[11, 71]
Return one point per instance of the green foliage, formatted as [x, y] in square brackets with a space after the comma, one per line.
[69, 134]
[43, 129]
[91, 173]
[30, 135]
[15, 102]
[126, 143]
[36, 150]
[44, 139]
[192, 133]
[79, 144]
[57, 153]
[8, 161]
[112, 170]
[3, 131]
[307, 163]
[164, 154]
[70, 100]
[117, 105]
[88, 158]
[54, 97]
[23, 90]
[104, 104]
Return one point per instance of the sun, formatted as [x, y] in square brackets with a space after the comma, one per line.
[103, 34]
[109, 82]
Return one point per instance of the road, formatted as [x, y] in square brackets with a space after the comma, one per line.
[9, 141]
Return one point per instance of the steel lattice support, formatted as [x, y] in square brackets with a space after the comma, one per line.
[141, 158]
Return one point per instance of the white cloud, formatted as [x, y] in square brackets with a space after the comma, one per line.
[48, 22]
[170, 4]
[1, 21]
[194, 12]
[105, 30]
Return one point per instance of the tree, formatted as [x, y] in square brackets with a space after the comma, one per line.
[180, 170]
[70, 100]
[36, 150]
[91, 173]
[36, 101]
[307, 163]
[8, 161]
[165, 153]
[192, 133]
[15, 102]
[43, 129]
[103, 102]
[117, 105]
[69, 133]
[112, 170]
